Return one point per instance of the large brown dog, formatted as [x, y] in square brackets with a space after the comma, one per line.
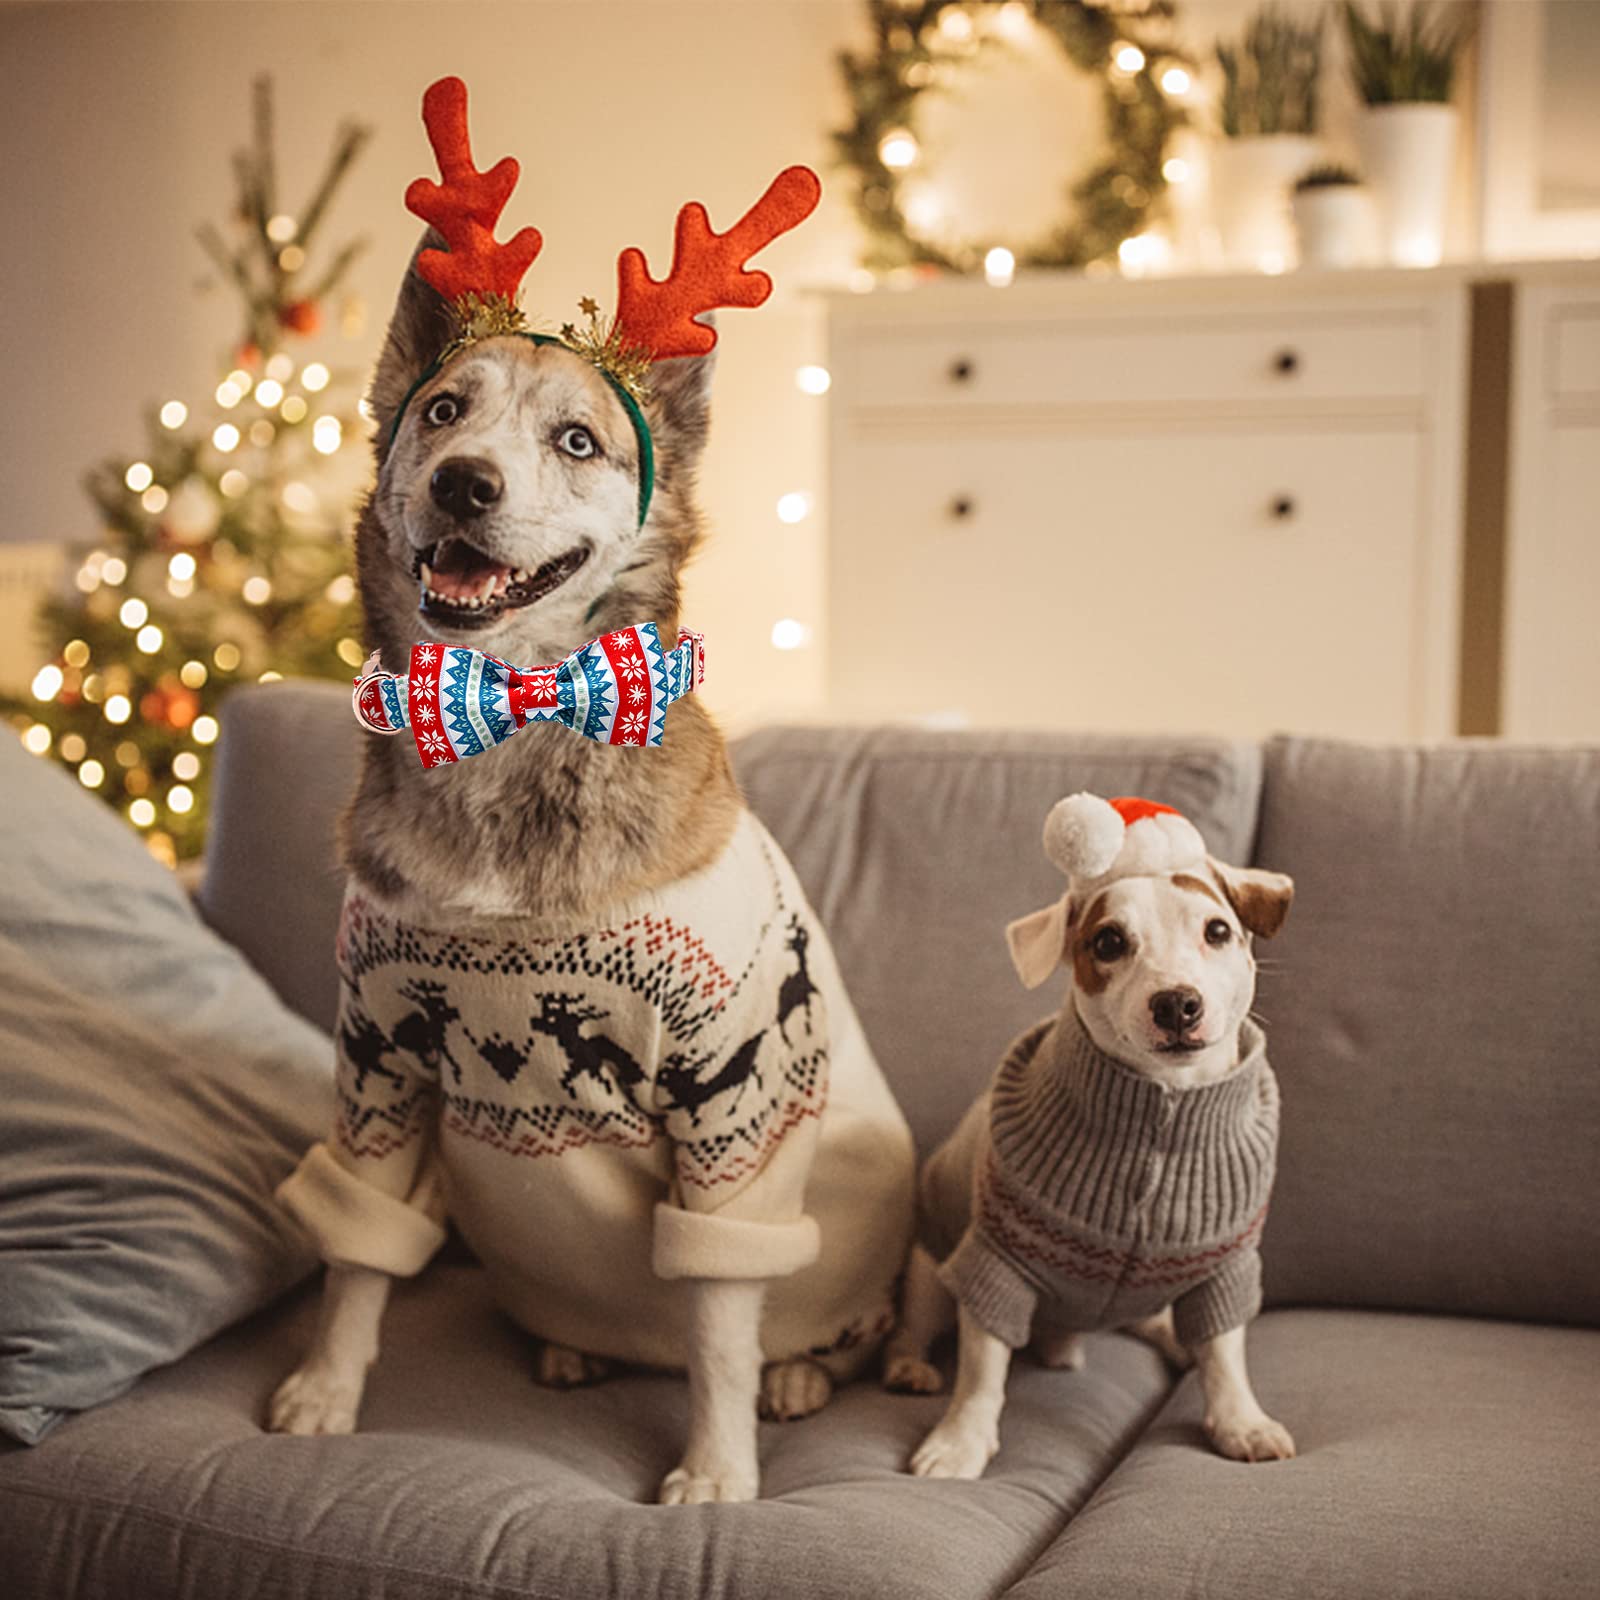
[505, 517]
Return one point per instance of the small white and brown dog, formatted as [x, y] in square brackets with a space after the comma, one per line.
[1116, 1172]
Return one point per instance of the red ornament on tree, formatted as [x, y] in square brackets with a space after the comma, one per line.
[301, 316]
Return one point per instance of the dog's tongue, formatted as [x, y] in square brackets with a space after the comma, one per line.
[462, 573]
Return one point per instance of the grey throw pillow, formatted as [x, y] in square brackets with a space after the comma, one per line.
[153, 1091]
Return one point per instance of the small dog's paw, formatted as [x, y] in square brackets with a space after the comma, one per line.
[1253, 1436]
[793, 1389]
[684, 1486]
[557, 1366]
[314, 1400]
[954, 1451]
[907, 1374]
[1061, 1352]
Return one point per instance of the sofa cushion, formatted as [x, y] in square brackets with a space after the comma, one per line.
[1439, 1458]
[916, 848]
[153, 1092]
[285, 766]
[467, 1479]
[1433, 1013]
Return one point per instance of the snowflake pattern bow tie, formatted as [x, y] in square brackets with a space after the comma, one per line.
[459, 702]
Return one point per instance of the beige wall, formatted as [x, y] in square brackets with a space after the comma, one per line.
[117, 126]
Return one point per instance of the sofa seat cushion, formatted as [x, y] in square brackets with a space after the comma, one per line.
[470, 1480]
[1438, 1457]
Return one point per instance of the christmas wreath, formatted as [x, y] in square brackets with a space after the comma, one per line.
[927, 42]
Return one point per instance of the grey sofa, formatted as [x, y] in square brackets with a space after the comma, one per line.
[1432, 1258]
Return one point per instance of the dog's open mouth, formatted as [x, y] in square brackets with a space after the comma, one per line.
[463, 587]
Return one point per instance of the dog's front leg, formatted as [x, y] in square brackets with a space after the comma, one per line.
[968, 1435]
[323, 1394]
[1235, 1422]
[719, 1461]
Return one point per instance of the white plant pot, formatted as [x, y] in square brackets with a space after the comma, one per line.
[1406, 155]
[1335, 226]
[1250, 183]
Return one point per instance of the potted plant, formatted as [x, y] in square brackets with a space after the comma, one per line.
[1268, 114]
[1403, 68]
[1333, 218]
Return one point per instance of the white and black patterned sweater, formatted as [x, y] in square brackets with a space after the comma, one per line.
[681, 1091]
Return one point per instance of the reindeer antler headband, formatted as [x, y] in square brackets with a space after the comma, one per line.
[655, 319]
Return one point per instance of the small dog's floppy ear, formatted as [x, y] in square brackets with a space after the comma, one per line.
[418, 331]
[1259, 899]
[679, 411]
[1038, 942]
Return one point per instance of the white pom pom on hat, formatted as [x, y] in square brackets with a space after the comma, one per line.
[1092, 839]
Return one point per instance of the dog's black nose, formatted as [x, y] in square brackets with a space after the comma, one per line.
[1177, 1010]
[466, 486]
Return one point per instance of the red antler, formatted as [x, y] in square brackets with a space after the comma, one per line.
[466, 207]
[707, 270]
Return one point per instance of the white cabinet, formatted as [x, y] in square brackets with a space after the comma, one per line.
[1552, 604]
[1225, 505]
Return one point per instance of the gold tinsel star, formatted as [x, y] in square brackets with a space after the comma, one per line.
[589, 306]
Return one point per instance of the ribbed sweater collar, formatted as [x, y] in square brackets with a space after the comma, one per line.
[1074, 1125]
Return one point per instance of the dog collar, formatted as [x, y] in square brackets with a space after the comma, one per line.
[459, 702]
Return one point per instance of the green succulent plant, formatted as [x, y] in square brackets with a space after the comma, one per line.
[1329, 175]
[1269, 77]
[1401, 59]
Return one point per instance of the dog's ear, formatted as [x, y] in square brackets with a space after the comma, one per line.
[1038, 942]
[418, 331]
[1259, 899]
[679, 411]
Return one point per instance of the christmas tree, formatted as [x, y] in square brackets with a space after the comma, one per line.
[223, 557]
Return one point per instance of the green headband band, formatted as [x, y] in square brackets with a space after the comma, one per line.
[641, 428]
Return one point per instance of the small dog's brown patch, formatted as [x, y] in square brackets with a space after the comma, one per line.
[1087, 973]
[1182, 880]
[1262, 908]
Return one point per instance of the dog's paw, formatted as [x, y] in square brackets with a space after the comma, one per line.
[1250, 1436]
[908, 1373]
[684, 1486]
[557, 1366]
[793, 1389]
[1061, 1352]
[954, 1450]
[315, 1400]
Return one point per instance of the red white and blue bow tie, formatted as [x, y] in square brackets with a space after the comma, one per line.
[459, 702]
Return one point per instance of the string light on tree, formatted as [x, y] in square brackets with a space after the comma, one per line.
[813, 380]
[794, 506]
[227, 526]
[999, 267]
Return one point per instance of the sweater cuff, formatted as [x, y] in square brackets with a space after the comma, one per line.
[999, 1298]
[700, 1244]
[354, 1224]
[1228, 1299]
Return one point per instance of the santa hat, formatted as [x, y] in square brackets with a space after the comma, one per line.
[1095, 842]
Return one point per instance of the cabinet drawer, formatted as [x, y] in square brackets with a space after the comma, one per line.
[1575, 335]
[1255, 582]
[1195, 361]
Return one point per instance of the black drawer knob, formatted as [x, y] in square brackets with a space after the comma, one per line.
[1283, 507]
[1286, 362]
[962, 370]
[962, 506]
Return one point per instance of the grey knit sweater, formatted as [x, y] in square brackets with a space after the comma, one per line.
[1094, 1195]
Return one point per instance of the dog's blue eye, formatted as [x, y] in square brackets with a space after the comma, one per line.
[1218, 931]
[443, 409]
[578, 442]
